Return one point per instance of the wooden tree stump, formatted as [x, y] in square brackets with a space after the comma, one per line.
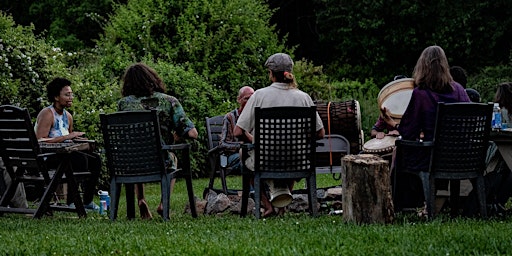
[366, 189]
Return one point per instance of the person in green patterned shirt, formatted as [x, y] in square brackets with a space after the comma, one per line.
[143, 89]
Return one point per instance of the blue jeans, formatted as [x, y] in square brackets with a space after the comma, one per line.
[234, 163]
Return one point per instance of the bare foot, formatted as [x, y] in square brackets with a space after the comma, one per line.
[160, 210]
[268, 212]
[145, 214]
[281, 211]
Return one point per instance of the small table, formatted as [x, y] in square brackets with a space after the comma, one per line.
[503, 139]
[63, 151]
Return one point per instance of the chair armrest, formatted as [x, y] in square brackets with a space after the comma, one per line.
[176, 146]
[413, 143]
[214, 150]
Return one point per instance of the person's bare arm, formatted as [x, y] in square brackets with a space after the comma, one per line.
[192, 133]
[242, 135]
[45, 123]
[320, 133]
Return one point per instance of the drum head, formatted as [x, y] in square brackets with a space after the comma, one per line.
[383, 145]
[395, 96]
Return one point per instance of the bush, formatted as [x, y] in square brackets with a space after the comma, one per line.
[226, 42]
[27, 64]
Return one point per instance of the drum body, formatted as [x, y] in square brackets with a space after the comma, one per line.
[395, 96]
[343, 118]
[380, 146]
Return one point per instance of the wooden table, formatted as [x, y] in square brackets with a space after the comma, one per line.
[503, 139]
[63, 150]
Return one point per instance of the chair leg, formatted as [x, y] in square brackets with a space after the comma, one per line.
[213, 170]
[165, 188]
[115, 191]
[429, 192]
[257, 196]
[311, 180]
[481, 196]
[454, 197]
[223, 181]
[246, 180]
[130, 200]
[191, 198]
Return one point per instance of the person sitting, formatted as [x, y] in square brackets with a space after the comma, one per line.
[460, 76]
[433, 84]
[143, 89]
[54, 124]
[282, 92]
[230, 144]
[498, 177]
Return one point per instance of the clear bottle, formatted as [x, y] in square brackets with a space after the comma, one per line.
[496, 116]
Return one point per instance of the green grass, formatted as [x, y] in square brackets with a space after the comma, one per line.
[293, 234]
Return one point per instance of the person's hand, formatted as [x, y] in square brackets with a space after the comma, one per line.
[386, 116]
[76, 135]
[394, 133]
[380, 135]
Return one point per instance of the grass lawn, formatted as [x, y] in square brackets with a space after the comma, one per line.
[292, 234]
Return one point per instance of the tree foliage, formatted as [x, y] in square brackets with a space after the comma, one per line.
[383, 38]
[226, 42]
[73, 24]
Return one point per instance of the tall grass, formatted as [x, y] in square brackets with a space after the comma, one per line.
[292, 234]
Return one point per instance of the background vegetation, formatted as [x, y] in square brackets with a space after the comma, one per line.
[206, 50]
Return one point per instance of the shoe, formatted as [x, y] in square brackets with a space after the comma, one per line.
[92, 206]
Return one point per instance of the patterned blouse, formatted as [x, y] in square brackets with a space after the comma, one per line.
[171, 115]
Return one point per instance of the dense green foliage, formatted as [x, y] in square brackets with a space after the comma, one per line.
[226, 42]
[381, 39]
[27, 64]
[206, 50]
[73, 24]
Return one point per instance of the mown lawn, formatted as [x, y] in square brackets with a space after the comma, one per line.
[293, 234]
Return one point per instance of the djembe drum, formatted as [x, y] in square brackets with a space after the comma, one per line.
[343, 118]
[380, 147]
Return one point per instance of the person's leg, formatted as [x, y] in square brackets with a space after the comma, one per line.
[20, 199]
[160, 208]
[143, 205]
[268, 209]
[94, 165]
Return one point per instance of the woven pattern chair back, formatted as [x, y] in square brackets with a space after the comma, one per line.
[285, 139]
[133, 143]
[461, 137]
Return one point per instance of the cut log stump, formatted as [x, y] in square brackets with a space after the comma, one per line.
[366, 194]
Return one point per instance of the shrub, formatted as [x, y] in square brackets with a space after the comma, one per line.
[27, 63]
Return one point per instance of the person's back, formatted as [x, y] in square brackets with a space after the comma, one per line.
[143, 89]
[168, 108]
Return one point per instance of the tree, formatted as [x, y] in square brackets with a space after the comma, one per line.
[226, 42]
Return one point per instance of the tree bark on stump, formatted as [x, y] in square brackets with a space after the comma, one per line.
[366, 189]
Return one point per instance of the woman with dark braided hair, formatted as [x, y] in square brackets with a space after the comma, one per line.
[143, 89]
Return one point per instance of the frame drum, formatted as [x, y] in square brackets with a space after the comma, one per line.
[344, 119]
[380, 146]
[395, 96]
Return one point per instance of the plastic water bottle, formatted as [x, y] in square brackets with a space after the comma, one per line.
[496, 116]
[104, 197]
